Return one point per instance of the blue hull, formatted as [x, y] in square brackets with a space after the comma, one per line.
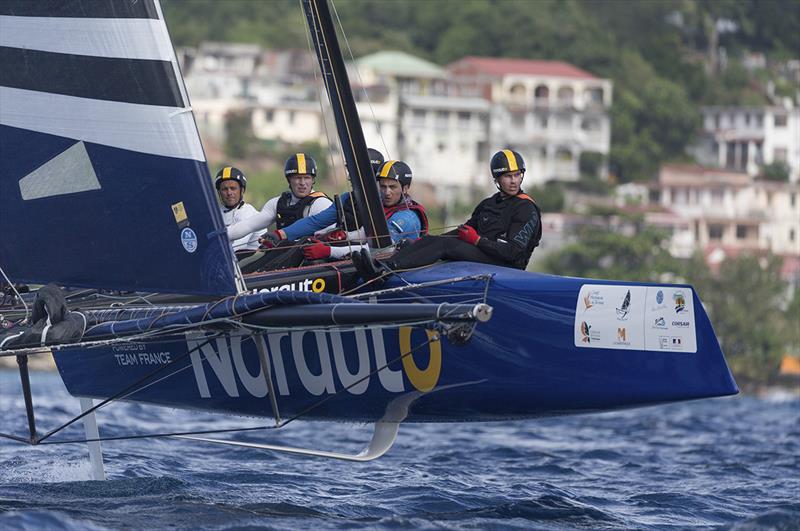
[529, 360]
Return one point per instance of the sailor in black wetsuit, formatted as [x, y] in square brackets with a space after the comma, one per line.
[503, 230]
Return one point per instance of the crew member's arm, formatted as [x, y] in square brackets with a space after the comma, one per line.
[309, 225]
[258, 223]
[339, 252]
[524, 226]
[320, 205]
[404, 224]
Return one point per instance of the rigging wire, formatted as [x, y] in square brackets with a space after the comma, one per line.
[305, 412]
[361, 82]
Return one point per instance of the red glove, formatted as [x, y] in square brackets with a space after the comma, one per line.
[268, 240]
[316, 251]
[336, 235]
[468, 234]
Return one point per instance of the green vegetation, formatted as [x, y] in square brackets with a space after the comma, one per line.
[662, 55]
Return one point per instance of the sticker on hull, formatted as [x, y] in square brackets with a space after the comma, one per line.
[654, 318]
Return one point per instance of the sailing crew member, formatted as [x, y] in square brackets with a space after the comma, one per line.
[504, 229]
[299, 201]
[405, 217]
[231, 185]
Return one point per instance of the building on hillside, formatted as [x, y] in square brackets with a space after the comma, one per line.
[550, 111]
[274, 88]
[408, 111]
[731, 212]
[747, 138]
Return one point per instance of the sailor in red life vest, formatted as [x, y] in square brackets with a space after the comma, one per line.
[503, 230]
[405, 217]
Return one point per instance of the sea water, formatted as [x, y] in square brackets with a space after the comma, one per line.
[727, 463]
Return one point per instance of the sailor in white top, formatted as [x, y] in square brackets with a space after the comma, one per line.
[231, 185]
[298, 202]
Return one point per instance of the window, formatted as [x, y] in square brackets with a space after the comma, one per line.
[269, 115]
[793, 199]
[564, 154]
[791, 235]
[418, 118]
[594, 96]
[291, 117]
[716, 121]
[464, 120]
[541, 121]
[759, 120]
[564, 121]
[566, 95]
[442, 119]
[780, 120]
[541, 94]
[518, 119]
[716, 195]
[747, 119]
[741, 232]
[517, 92]
[780, 154]
[715, 232]
[590, 124]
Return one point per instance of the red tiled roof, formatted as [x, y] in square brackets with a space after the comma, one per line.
[501, 66]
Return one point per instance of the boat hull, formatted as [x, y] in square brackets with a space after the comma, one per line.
[530, 360]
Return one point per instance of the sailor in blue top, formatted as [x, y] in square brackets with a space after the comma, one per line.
[405, 217]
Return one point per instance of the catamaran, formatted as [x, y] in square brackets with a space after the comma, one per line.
[106, 193]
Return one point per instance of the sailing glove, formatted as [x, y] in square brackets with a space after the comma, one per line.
[337, 235]
[468, 234]
[316, 251]
[268, 240]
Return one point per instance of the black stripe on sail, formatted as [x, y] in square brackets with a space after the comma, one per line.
[145, 81]
[80, 8]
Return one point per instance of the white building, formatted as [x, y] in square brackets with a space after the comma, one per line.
[549, 111]
[732, 211]
[747, 138]
[408, 112]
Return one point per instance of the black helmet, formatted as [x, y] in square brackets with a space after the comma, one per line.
[299, 164]
[376, 159]
[395, 169]
[230, 173]
[505, 161]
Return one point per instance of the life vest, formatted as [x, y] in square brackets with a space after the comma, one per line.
[409, 204]
[288, 213]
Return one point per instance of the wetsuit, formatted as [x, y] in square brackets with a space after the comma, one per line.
[509, 228]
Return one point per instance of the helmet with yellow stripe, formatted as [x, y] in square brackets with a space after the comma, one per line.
[395, 169]
[229, 173]
[300, 164]
[505, 161]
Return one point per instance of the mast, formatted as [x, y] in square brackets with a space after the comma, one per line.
[365, 188]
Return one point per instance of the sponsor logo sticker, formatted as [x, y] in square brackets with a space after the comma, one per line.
[624, 310]
[189, 240]
[680, 301]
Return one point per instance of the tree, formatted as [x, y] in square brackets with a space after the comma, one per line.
[776, 171]
[238, 134]
[745, 302]
[604, 253]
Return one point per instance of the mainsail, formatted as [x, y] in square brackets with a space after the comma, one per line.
[103, 179]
